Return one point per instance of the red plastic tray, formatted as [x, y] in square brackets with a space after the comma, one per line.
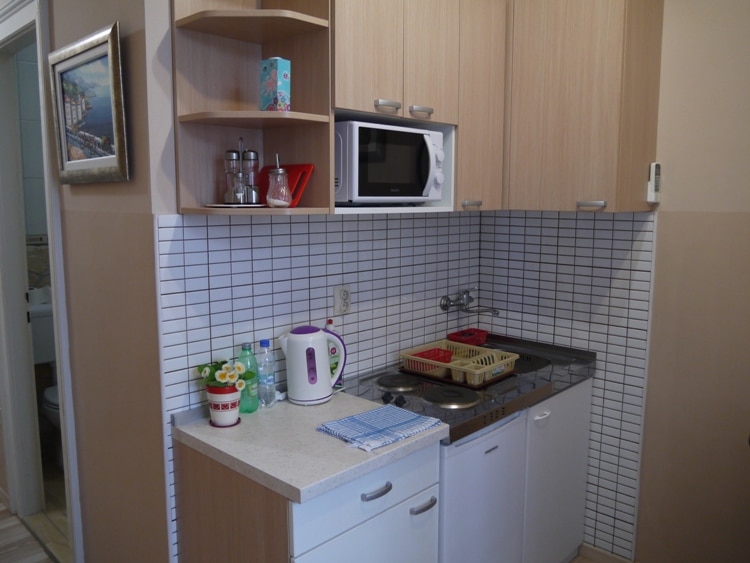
[298, 174]
[473, 336]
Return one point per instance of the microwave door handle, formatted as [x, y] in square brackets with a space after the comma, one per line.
[431, 156]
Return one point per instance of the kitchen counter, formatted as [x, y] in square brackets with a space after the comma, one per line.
[281, 449]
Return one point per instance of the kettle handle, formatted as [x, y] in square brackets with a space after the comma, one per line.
[336, 375]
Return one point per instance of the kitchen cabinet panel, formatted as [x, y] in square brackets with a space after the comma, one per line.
[406, 533]
[368, 54]
[482, 46]
[401, 524]
[341, 509]
[557, 440]
[401, 52]
[481, 487]
[584, 89]
[431, 59]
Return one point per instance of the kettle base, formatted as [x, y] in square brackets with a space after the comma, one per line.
[317, 401]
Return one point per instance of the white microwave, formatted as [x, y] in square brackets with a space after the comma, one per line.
[381, 164]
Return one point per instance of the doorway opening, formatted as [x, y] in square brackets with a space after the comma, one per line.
[38, 468]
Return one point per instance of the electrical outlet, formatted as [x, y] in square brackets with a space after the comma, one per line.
[342, 300]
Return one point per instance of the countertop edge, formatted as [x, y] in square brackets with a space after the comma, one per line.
[190, 430]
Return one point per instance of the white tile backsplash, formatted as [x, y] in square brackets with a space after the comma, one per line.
[579, 280]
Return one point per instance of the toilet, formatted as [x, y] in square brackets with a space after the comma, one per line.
[43, 334]
[51, 405]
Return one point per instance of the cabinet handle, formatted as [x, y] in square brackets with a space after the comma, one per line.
[421, 109]
[382, 491]
[391, 104]
[424, 508]
[471, 203]
[599, 204]
[544, 415]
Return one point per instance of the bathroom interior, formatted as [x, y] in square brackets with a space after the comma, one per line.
[53, 523]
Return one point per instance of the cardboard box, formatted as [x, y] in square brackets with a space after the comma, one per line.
[276, 84]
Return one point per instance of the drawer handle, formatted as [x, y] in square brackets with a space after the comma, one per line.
[600, 204]
[382, 491]
[424, 508]
[471, 203]
[421, 109]
[542, 416]
[381, 103]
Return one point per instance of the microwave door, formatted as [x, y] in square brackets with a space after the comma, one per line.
[392, 165]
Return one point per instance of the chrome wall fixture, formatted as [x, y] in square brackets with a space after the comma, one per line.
[463, 302]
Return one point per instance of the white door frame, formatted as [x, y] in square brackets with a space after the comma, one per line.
[17, 18]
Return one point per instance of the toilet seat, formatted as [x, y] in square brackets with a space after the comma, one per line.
[51, 397]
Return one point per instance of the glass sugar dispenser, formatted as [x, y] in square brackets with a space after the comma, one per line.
[278, 194]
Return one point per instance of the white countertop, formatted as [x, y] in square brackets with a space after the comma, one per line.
[281, 449]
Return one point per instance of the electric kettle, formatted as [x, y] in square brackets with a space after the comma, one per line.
[308, 352]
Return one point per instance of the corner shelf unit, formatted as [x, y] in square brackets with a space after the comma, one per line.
[217, 54]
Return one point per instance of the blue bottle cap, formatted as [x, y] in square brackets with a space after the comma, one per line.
[265, 343]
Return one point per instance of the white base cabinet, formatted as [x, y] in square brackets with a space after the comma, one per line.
[557, 444]
[390, 514]
[481, 486]
[406, 533]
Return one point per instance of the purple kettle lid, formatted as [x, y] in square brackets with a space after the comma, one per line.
[305, 330]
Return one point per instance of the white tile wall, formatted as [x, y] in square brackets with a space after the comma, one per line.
[576, 280]
[584, 280]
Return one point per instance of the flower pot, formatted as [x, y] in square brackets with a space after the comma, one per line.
[223, 405]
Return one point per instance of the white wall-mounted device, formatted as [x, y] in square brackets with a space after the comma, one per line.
[654, 183]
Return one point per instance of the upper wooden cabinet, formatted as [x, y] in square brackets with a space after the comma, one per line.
[584, 90]
[397, 58]
[218, 46]
[479, 156]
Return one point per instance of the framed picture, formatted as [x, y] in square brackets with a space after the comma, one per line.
[86, 80]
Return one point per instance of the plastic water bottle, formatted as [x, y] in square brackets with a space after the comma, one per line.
[266, 375]
[249, 396]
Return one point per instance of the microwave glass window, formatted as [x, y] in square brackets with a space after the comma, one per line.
[392, 163]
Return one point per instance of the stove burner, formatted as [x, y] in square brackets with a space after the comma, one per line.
[449, 397]
[398, 383]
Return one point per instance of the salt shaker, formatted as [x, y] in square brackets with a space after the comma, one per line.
[250, 171]
[232, 168]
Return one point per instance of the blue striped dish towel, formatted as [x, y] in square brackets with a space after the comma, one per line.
[378, 427]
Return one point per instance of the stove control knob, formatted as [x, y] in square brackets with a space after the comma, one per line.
[387, 397]
[400, 401]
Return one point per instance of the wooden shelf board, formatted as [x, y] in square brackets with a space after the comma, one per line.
[253, 26]
[254, 211]
[253, 118]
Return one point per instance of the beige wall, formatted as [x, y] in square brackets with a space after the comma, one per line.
[695, 487]
[112, 312]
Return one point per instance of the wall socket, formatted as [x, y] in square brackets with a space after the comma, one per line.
[342, 300]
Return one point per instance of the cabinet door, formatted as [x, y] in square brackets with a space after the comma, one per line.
[557, 451]
[368, 55]
[481, 105]
[481, 489]
[431, 34]
[566, 87]
[406, 533]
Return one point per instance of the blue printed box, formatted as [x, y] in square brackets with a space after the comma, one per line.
[276, 84]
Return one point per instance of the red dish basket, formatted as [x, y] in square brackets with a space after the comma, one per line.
[436, 354]
[472, 336]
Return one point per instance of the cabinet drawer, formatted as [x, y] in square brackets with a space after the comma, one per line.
[406, 533]
[328, 515]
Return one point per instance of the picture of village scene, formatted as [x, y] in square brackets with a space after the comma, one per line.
[87, 103]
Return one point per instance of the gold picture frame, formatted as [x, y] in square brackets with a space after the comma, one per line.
[87, 100]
